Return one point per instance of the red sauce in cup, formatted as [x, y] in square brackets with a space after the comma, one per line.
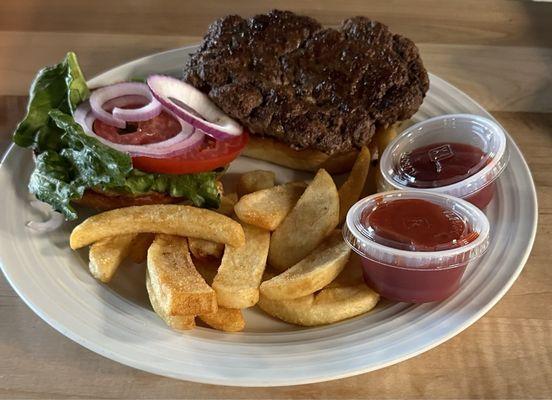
[418, 225]
[415, 245]
[440, 164]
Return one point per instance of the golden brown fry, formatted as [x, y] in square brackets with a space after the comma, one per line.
[225, 319]
[312, 273]
[106, 255]
[139, 247]
[241, 270]
[171, 219]
[332, 304]
[314, 216]
[267, 208]
[253, 181]
[227, 203]
[201, 248]
[177, 322]
[350, 191]
[178, 287]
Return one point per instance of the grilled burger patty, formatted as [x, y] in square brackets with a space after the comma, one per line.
[284, 76]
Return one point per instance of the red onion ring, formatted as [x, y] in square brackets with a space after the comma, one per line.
[119, 116]
[187, 139]
[193, 106]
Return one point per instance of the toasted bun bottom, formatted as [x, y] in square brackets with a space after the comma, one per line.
[102, 201]
[268, 149]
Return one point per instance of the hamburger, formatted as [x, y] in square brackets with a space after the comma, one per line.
[309, 96]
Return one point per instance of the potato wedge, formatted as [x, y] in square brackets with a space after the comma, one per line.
[201, 248]
[225, 319]
[350, 191]
[106, 255]
[171, 219]
[267, 208]
[227, 203]
[177, 322]
[331, 304]
[254, 181]
[312, 273]
[178, 287]
[139, 247]
[313, 218]
[241, 270]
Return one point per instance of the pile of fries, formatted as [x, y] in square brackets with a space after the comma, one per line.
[274, 246]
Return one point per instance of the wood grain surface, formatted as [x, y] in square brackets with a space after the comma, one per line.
[499, 52]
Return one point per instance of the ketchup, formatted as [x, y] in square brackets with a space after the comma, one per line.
[417, 225]
[440, 164]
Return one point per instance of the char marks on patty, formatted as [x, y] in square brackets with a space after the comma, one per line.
[283, 75]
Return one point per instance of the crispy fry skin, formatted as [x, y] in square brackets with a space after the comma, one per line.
[169, 219]
[178, 287]
[225, 319]
[106, 255]
[201, 248]
[177, 322]
[267, 208]
[254, 181]
[312, 273]
[241, 270]
[314, 217]
[350, 191]
[346, 297]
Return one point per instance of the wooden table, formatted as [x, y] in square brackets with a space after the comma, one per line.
[498, 52]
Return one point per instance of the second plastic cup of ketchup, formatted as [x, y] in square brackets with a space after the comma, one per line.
[415, 245]
[460, 155]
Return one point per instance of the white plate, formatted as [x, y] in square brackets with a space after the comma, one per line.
[117, 322]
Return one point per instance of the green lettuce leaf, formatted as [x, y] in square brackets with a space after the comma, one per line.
[61, 87]
[68, 161]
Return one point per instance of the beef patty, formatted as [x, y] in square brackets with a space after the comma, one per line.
[284, 76]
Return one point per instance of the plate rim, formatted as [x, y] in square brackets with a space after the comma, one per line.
[244, 381]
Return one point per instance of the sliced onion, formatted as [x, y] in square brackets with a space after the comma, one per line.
[193, 106]
[124, 101]
[119, 116]
[54, 221]
[185, 140]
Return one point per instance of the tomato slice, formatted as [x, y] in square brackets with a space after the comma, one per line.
[211, 155]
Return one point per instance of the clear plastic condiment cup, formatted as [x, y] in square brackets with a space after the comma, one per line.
[414, 276]
[477, 186]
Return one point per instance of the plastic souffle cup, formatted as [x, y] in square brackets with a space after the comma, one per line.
[460, 155]
[405, 274]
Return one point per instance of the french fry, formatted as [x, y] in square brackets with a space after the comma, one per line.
[227, 203]
[225, 319]
[241, 270]
[314, 216]
[106, 255]
[254, 181]
[169, 219]
[175, 282]
[201, 248]
[139, 247]
[267, 208]
[340, 300]
[350, 191]
[177, 322]
[312, 273]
